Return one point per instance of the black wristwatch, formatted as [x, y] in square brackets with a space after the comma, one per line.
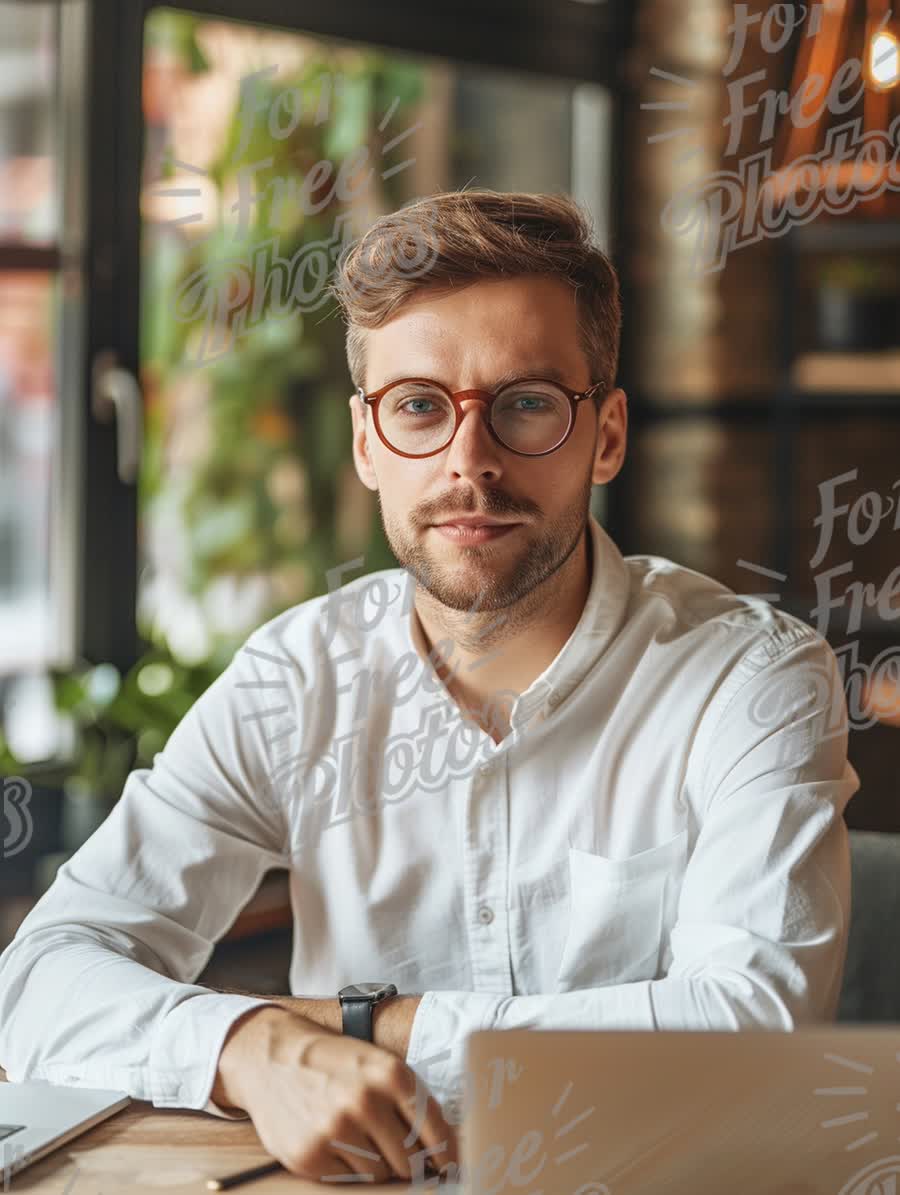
[357, 1001]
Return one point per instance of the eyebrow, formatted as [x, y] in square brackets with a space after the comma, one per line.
[550, 372]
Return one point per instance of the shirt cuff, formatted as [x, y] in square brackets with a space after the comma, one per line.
[186, 1049]
[437, 1041]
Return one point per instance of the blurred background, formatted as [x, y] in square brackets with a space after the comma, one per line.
[175, 471]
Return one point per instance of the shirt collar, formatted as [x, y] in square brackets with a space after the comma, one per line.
[600, 621]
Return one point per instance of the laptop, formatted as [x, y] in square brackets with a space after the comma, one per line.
[813, 1111]
[37, 1117]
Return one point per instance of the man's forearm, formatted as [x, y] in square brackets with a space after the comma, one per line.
[325, 1013]
[391, 1019]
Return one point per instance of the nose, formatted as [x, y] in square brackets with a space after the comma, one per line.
[473, 452]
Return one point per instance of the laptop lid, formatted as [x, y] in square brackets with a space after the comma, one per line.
[36, 1117]
[814, 1111]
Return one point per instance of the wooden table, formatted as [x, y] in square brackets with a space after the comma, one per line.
[144, 1150]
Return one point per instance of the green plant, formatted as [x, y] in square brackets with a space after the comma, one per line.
[111, 723]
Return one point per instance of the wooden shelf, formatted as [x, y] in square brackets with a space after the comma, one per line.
[869, 373]
[790, 400]
[840, 234]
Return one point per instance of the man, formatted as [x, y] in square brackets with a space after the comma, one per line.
[651, 837]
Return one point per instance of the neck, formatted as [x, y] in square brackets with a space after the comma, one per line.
[497, 654]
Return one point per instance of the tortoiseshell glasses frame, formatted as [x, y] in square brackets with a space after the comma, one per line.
[487, 397]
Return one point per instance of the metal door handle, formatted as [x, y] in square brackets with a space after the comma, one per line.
[116, 394]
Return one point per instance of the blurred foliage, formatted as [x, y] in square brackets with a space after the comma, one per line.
[111, 723]
[275, 405]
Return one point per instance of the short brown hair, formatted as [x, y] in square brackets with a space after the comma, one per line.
[473, 234]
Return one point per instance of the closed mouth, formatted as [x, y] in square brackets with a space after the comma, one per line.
[473, 526]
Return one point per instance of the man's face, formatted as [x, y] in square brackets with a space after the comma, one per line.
[467, 339]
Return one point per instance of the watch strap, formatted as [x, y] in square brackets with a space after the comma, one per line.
[357, 1019]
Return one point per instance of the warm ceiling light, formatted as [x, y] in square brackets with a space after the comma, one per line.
[884, 60]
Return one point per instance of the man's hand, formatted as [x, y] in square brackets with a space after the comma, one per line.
[327, 1105]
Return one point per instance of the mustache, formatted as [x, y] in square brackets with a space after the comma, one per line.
[495, 507]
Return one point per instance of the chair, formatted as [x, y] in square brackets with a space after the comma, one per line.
[871, 988]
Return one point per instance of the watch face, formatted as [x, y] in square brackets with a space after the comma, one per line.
[367, 991]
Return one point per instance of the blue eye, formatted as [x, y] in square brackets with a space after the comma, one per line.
[404, 405]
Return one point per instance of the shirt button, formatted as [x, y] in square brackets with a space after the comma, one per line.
[485, 915]
[483, 769]
[553, 699]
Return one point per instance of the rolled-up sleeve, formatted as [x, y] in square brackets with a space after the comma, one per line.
[97, 987]
[760, 938]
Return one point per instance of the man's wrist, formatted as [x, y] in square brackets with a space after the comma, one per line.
[392, 1022]
[322, 1011]
[392, 1017]
[226, 1090]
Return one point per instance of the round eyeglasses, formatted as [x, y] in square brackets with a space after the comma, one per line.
[418, 417]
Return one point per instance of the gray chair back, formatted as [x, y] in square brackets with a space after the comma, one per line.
[871, 987]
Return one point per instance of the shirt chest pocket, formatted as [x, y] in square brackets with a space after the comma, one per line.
[619, 910]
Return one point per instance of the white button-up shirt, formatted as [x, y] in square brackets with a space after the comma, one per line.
[657, 843]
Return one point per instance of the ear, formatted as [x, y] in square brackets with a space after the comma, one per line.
[362, 459]
[612, 436]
